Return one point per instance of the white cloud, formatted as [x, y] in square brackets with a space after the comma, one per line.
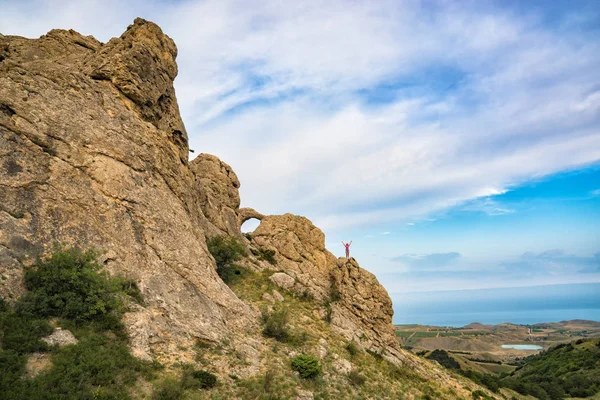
[480, 99]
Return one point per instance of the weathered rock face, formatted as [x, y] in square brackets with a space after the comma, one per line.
[217, 186]
[363, 310]
[361, 307]
[93, 152]
[300, 252]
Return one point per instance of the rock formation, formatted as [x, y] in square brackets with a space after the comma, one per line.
[94, 152]
[361, 309]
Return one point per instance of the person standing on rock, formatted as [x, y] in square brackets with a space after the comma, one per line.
[347, 246]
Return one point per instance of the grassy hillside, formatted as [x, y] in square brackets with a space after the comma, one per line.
[300, 355]
[569, 370]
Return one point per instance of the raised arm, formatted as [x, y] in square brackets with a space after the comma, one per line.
[343, 243]
[351, 242]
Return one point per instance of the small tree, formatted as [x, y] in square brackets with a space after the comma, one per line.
[307, 366]
[69, 284]
[226, 250]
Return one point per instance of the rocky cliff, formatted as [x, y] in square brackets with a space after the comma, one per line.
[93, 152]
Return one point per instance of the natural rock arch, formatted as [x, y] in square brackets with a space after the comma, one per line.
[249, 225]
[245, 214]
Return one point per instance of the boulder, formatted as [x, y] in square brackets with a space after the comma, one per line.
[60, 337]
[282, 280]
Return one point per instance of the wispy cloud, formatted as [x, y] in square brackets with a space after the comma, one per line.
[446, 104]
[487, 206]
[433, 261]
[554, 262]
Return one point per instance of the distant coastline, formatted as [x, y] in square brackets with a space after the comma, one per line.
[521, 306]
[527, 317]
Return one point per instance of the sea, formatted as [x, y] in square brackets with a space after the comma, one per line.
[522, 305]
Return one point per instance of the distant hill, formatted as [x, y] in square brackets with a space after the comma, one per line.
[569, 369]
[563, 371]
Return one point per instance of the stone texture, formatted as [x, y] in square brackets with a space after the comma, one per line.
[278, 296]
[363, 311]
[37, 363]
[299, 251]
[282, 280]
[60, 337]
[268, 297]
[304, 394]
[217, 186]
[93, 152]
[342, 366]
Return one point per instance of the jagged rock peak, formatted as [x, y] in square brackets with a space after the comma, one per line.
[93, 153]
[141, 64]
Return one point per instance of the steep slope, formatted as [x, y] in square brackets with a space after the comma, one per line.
[94, 153]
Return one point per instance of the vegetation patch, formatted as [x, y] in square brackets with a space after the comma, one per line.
[307, 366]
[68, 286]
[266, 255]
[353, 349]
[356, 378]
[276, 325]
[226, 250]
[442, 357]
[197, 379]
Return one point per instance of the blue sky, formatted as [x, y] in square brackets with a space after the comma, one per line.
[456, 143]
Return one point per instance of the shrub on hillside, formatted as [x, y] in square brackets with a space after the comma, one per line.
[355, 378]
[275, 325]
[307, 366]
[442, 357]
[197, 379]
[168, 389]
[69, 284]
[226, 250]
[267, 255]
[353, 349]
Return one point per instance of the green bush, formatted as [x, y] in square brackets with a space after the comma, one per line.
[275, 325]
[226, 250]
[353, 349]
[96, 367]
[197, 379]
[22, 333]
[307, 366]
[444, 359]
[168, 389]
[355, 378]
[267, 255]
[69, 284]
